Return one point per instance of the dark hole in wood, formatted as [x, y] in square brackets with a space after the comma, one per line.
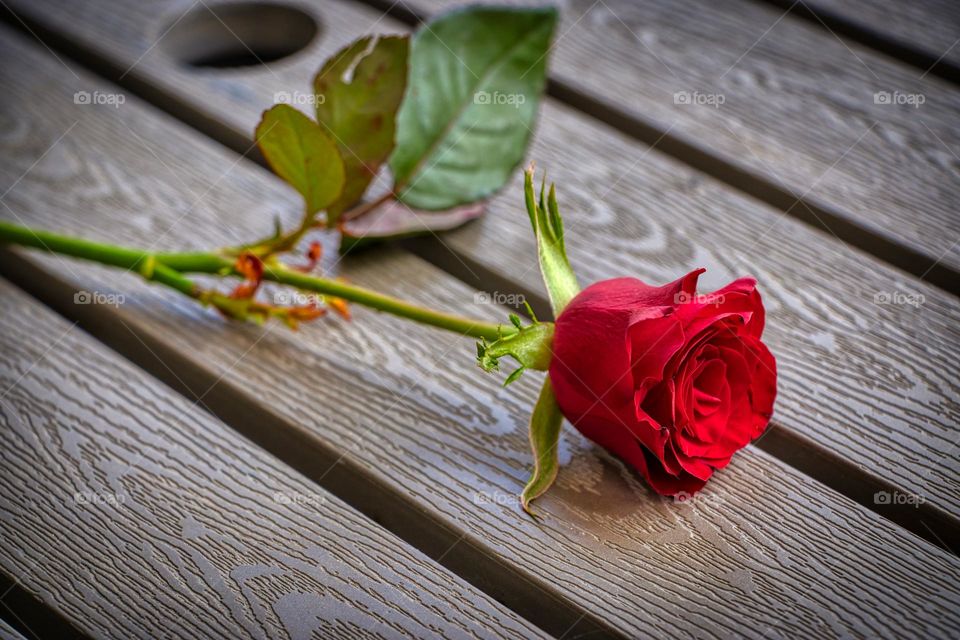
[238, 35]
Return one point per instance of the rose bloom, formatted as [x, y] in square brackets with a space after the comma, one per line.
[671, 381]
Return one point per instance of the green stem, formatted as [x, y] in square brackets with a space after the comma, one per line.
[159, 272]
[388, 304]
[168, 268]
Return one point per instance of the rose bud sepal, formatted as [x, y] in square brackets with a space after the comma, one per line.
[558, 276]
[531, 346]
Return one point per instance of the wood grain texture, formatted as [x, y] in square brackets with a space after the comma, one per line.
[878, 384]
[8, 633]
[136, 514]
[930, 26]
[764, 552]
[798, 106]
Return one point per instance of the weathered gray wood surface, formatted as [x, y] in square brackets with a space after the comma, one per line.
[930, 26]
[764, 551]
[799, 109]
[8, 633]
[876, 383]
[889, 401]
[799, 106]
[130, 510]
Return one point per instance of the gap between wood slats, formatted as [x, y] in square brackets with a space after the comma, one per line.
[29, 615]
[381, 502]
[838, 473]
[819, 216]
[907, 52]
[841, 475]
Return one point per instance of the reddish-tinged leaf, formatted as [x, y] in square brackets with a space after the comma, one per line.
[392, 220]
[358, 93]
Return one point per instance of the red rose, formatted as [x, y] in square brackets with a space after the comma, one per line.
[673, 382]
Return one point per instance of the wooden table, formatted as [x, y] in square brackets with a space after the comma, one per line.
[170, 475]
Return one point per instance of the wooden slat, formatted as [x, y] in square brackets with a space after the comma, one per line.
[924, 32]
[764, 552]
[799, 118]
[891, 410]
[8, 633]
[798, 111]
[877, 384]
[134, 513]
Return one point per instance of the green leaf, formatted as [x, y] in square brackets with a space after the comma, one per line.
[476, 76]
[393, 220]
[547, 226]
[514, 376]
[300, 152]
[358, 92]
[544, 435]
